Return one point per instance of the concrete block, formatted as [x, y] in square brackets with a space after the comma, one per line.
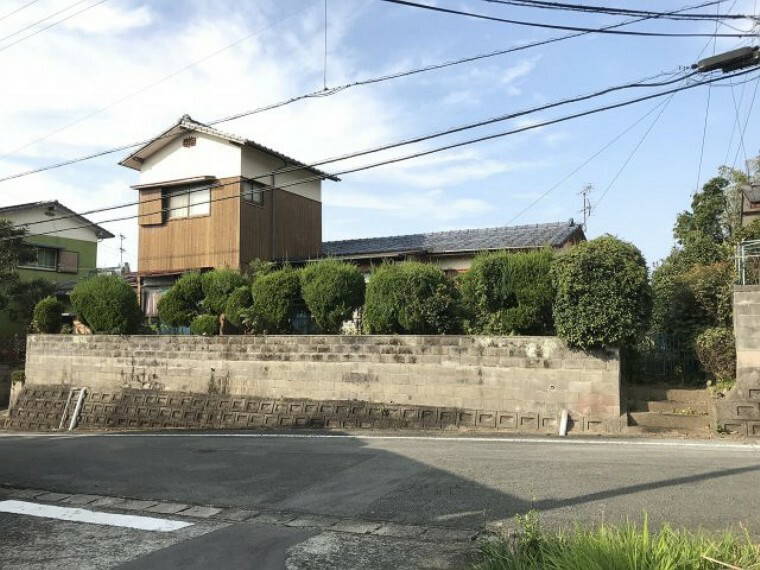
[52, 497]
[200, 512]
[167, 508]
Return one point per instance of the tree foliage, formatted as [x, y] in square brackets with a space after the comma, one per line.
[410, 298]
[107, 304]
[332, 290]
[509, 293]
[276, 297]
[217, 285]
[205, 325]
[182, 303]
[22, 296]
[47, 315]
[716, 349]
[603, 295]
[238, 303]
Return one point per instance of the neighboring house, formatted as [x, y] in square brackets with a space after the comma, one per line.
[453, 251]
[202, 205]
[66, 250]
[750, 203]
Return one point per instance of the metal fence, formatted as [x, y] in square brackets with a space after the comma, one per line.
[662, 359]
[748, 262]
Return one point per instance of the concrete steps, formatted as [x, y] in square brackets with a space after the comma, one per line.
[662, 409]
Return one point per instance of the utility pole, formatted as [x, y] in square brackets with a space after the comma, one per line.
[122, 237]
[586, 210]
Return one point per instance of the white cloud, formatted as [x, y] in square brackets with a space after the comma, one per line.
[435, 204]
[519, 70]
[109, 19]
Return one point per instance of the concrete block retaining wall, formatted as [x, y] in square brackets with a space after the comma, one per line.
[739, 411]
[366, 381]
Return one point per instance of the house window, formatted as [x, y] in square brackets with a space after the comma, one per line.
[44, 258]
[186, 203]
[253, 192]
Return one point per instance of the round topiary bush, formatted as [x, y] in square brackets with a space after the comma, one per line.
[603, 296]
[238, 302]
[332, 290]
[205, 325]
[410, 298]
[716, 350]
[107, 304]
[47, 315]
[217, 286]
[276, 297]
[180, 304]
[509, 293]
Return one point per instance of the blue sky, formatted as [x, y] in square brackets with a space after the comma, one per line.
[113, 55]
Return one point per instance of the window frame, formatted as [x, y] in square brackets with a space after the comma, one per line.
[253, 187]
[37, 266]
[183, 211]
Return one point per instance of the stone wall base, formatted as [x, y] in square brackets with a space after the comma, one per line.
[41, 408]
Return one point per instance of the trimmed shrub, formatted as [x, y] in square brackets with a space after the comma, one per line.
[205, 325]
[180, 304]
[410, 298]
[332, 290]
[276, 298]
[237, 305]
[716, 350]
[603, 296]
[217, 286]
[107, 304]
[47, 315]
[509, 293]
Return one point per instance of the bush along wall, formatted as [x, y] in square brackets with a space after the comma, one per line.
[411, 298]
[107, 304]
[276, 298]
[332, 291]
[509, 293]
[47, 315]
[182, 303]
[603, 295]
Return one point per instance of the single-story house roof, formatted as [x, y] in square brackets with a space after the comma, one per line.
[187, 124]
[56, 209]
[533, 236]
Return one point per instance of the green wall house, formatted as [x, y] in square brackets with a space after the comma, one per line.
[66, 247]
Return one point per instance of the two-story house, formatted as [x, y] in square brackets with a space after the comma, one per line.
[65, 245]
[212, 199]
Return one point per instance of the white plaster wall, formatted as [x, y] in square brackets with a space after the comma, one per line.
[209, 157]
[38, 214]
[257, 163]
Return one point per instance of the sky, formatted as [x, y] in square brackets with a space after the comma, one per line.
[125, 70]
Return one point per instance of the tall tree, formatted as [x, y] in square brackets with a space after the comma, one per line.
[13, 252]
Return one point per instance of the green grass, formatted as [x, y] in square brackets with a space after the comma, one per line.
[623, 547]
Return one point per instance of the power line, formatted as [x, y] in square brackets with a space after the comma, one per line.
[425, 152]
[39, 31]
[17, 10]
[634, 151]
[440, 133]
[707, 115]
[746, 123]
[45, 19]
[578, 168]
[616, 11]
[320, 93]
[559, 27]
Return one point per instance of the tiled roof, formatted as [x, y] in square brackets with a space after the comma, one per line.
[507, 237]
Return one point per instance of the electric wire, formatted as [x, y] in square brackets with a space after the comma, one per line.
[17, 10]
[417, 154]
[320, 93]
[560, 27]
[744, 130]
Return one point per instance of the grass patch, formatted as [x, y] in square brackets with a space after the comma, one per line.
[616, 547]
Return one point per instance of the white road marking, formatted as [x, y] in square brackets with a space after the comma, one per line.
[749, 446]
[92, 517]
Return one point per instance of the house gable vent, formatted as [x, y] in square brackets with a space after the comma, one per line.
[188, 142]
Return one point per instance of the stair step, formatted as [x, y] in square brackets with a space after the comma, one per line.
[678, 422]
[653, 393]
[668, 406]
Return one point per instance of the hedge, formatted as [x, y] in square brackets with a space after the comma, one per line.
[332, 290]
[603, 296]
[237, 304]
[410, 298]
[182, 303]
[716, 350]
[205, 325]
[47, 315]
[509, 293]
[107, 304]
[276, 297]
[217, 286]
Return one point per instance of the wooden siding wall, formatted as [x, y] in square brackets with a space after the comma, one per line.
[194, 243]
[297, 227]
[150, 207]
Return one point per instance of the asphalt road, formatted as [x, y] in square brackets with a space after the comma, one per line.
[459, 483]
